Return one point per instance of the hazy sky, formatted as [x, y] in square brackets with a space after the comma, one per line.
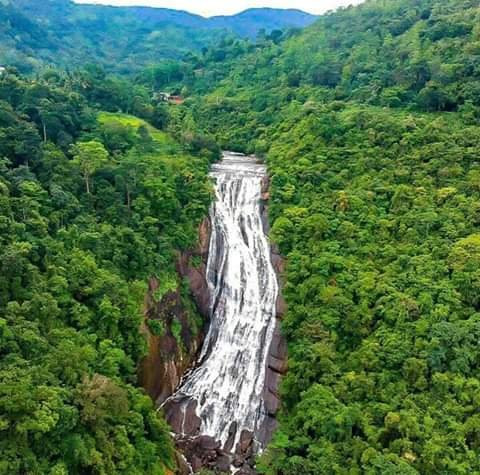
[227, 7]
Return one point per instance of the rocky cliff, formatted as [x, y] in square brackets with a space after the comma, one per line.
[174, 350]
[277, 356]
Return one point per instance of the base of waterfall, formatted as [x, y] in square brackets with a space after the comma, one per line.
[223, 411]
[203, 451]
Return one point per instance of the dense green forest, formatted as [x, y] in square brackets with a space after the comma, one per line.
[92, 205]
[370, 124]
[369, 121]
[39, 33]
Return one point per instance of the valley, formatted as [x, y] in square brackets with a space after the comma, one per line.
[151, 284]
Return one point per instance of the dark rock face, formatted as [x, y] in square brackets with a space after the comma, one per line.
[196, 276]
[277, 355]
[205, 452]
[182, 417]
[161, 370]
[245, 446]
[168, 359]
[231, 437]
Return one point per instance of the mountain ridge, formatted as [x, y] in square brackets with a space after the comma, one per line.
[121, 39]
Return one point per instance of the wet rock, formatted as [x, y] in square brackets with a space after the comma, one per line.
[279, 365]
[281, 307]
[205, 442]
[246, 470]
[237, 461]
[199, 288]
[196, 463]
[223, 463]
[182, 465]
[278, 346]
[181, 416]
[276, 366]
[196, 276]
[245, 443]
[232, 431]
[278, 262]
[272, 400]
[272, 404]
[269, 427]
[204, 452]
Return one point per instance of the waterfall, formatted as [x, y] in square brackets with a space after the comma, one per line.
[229, 381]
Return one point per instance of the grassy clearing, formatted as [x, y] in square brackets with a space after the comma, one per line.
[126, 120]
[165, 147]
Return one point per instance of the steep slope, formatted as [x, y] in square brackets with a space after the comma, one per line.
[60, 32]
[420, 54]
[370, 124]
[93, 208]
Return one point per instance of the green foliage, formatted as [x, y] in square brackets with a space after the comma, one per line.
[369, 122]
[156, 327]
[74, 267]
[36, 34]
[176, 328]
[89, 157]
[375, 211]
[168, 283]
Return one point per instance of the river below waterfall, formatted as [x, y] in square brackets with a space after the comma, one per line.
[225, 391]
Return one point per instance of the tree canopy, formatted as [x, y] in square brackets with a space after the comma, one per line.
[369, 122]
[85, 221]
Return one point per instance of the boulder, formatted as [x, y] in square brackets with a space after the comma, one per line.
[245, 443]
[181, 415]
[223, 463]
[207, 443]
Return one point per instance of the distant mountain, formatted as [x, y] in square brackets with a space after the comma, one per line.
[60, 32]
[250, 22]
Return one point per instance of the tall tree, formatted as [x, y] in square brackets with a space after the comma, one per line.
[89, 156]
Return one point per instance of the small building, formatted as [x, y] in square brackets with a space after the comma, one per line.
[163, 96]
[170, 98]
[176, 100]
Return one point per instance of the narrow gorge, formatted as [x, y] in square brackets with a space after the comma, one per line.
[223, 410]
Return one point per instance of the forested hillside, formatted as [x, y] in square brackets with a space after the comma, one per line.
[370, 124]
[369, 121]
[93, 204]
[35, 34]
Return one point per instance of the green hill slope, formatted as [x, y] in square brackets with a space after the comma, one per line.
[93, 205]
[369, 121]
[62, 33]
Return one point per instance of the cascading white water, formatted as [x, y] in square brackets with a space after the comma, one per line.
[229, 381]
